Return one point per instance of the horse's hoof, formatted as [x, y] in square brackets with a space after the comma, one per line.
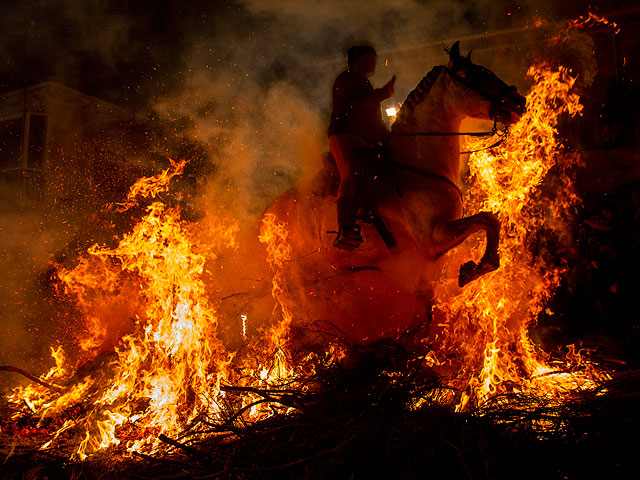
[468, 273]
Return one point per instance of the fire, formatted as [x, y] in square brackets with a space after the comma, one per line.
[171, 368]
[151, 187]
[244, 326]
[173, 362]
[591, 20]
[488, 321]
[274, 235]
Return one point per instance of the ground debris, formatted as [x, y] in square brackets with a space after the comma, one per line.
[376, 429]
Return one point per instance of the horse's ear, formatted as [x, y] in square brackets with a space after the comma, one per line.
[469, 55]
[454, 52]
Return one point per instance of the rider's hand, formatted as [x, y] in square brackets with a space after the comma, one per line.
[389, 87]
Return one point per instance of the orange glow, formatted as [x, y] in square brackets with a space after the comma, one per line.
[170, 369]
[591, 20]
[151, 187]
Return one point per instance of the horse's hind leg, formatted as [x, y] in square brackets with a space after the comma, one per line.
[449, 234]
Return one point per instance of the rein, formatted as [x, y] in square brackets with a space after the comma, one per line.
[493, 131]
[424, 173]
[444, 134]
[427, 173]
[495, 104]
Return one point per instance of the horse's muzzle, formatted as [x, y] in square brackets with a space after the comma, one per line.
[510, 108]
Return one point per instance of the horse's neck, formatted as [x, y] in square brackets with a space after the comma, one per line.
[436, 154]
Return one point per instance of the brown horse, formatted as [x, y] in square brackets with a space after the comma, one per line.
[376, 291]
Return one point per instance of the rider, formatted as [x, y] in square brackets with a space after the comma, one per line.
[356, 128]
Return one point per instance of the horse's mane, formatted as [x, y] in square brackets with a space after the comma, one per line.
[418, 94]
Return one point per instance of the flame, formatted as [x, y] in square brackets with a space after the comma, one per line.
[274, 235]
[171, 369]
[151, 187]
[173, 363]
[592, 20]
[244, 326]
[488, 321]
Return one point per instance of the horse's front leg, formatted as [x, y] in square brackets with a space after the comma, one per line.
[451, 233]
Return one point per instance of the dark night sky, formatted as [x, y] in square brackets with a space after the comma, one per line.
[121, 50]
[134, 52]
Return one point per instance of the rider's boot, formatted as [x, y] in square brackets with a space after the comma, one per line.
[349, 236]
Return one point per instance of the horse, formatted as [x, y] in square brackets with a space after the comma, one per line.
[379, 291]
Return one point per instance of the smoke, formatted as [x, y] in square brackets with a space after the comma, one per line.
[258, 146]
[31, 319]
[255, 85]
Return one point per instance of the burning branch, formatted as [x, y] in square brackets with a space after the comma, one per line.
[33, 378]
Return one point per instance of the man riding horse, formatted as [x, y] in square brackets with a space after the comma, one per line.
[355, 130]
[373, 291]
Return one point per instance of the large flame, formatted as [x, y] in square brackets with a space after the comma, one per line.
[488, 321]
[169, 370]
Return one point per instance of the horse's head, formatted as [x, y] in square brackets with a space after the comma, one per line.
[493, 98]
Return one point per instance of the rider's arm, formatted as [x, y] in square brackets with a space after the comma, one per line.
[380, 94]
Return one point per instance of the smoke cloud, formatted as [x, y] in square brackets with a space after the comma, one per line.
[255, 88]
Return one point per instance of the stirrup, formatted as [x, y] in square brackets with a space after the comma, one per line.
[349, 237]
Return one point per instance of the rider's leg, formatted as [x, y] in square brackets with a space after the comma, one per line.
[347, 211]
[372, 168]
[347, 151]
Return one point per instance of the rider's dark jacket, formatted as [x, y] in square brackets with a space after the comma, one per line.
[356, 108]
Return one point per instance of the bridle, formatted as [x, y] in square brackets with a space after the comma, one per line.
[496, 104]
[502, 135]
